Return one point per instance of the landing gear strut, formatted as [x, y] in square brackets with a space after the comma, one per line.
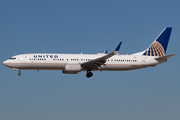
[89, 74]
[19, 73]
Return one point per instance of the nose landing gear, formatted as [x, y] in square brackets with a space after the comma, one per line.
[19, 73]
[89, 74]
[16, 69]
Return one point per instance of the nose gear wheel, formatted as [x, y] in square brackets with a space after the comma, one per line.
[19, 73]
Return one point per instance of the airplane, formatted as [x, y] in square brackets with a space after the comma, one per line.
[74, 63]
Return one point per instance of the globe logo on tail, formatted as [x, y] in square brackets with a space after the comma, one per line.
[156, 49]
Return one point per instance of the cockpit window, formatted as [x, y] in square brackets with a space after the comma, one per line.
[12, 58]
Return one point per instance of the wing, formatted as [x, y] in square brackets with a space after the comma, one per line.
[98, 62]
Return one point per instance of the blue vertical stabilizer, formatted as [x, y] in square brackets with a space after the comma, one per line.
[159, 46]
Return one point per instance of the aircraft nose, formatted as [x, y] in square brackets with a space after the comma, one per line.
[5, 63]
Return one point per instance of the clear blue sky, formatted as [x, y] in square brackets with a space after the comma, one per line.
[41, 26]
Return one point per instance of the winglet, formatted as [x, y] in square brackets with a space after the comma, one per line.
[105, 52]
[117, 48]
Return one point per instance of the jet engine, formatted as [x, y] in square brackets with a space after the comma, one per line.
[72, 69]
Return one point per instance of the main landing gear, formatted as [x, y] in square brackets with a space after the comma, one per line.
[89, 74]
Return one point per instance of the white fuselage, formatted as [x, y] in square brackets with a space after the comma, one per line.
[75, 63]
[59, 61]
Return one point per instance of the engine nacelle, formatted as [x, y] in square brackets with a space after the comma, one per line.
[72, 69]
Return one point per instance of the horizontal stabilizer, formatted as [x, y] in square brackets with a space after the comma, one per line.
[164, 57]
